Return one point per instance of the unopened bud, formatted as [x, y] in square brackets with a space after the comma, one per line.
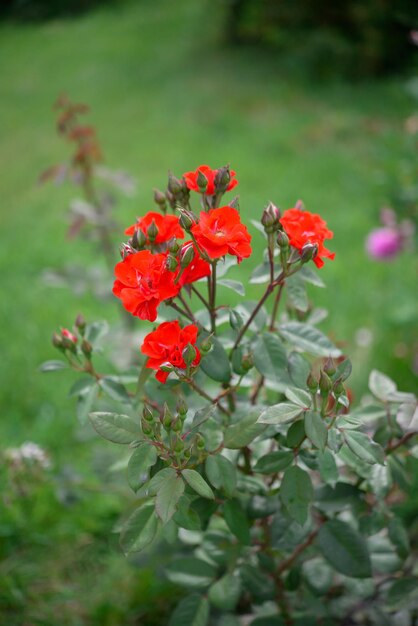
[57, 341]
[147, 415]
[206, 345]
[247, 362]
[167, 417]
[270, 218]
[282, 239]
[186, 255]
[182, 408]
[80, 323]
[179, 445]
[202, 182]
[86, 348]
[312, 383]
[146, 427]
[200, 442]
[139, 239]
[160, 199]
[171, 263]
[329, 367]
[125, 250]
[177, 426]
[222, 178]
[235, 320]
[309, 252]
[187, 453]
[67, 335]
[173, 246]
[325, 383]
[174, 184]
[152, 231]
[189, 354]
[187, 219]
[338, 387]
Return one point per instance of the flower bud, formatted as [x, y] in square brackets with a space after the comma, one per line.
[329, 367]
[57, 341]
[325, 383]
[160, 199]
[139, 239]
[282, 239]
[80, 323]
[312, 383]
[206, 345]
[235, 319]
[338, 387]
[222, 179]
[309, 252]
[187, 219]
[173, 246]
[86, 348]
[200, 442]
[270, 218]
[182, 408]
[125, 250]
[202, 182]
[189, 354]
[147, 415]
[171, 263]
[177, 426]
[186, 255]
[247, 362]
[179, 445]
[146, 427]
[67, 335]
[167, 417]
[152, 231]
[174, 184]
[187, 453]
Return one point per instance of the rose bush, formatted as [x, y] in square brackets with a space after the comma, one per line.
[283, 501]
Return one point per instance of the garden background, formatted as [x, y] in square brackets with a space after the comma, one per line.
[166, 91]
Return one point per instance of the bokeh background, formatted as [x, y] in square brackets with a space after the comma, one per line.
[300, 112]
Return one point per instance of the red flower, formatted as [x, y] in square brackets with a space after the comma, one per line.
[197, 268]
[68, 335]
[143, 282]
[167, 225]
[165, 345]
[303, 227]
[221, 232]
[209, 173]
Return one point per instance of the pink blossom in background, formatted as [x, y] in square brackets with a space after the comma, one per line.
[384, 243]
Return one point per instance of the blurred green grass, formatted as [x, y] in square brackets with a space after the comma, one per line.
[167, 93]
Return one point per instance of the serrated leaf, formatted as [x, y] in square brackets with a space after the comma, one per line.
[381, 385]
[270, 357]
[114, 389]
[280, 413]
[53, 366]
[215, 364]
[237, 521]
[191, 611]
[235, 285]
[115, 427]
[168, 496]
[243, 432]
[316, 430]
[141, 460]
[202, 415]
[296, 292]
[309, 339]
[221, 473]
[344, 549]
[296, 493]
[198, 483]
[191, 572]
[365, 448]
[274, 462]
[140, 529]
[299, 396]
[225, 592]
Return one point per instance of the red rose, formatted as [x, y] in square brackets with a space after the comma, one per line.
[221, 232]
[209, 173]
[197, 268]
[165, 345]
[143, 282]
[303, 227]
[168, 227]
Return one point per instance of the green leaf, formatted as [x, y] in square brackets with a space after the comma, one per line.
[296, 292]
[198, 483]
[280, 413]
[344, 549]
[237, 521]
[310, 276]
[85, 402]
[257, 583]
[309, 339]
[221, 473]
[168, 496]
[245, 309]
[268, 620]
[299, 368]
[243, 432]
[316, 430]
[185, 516]
[299, 396]
[402, 593]
[365, 448]
[215, 364]
[115, 427]
[295, 434]
[191, 572]
[96, 331]
[381, 385]
[225, 592]
[115, 390]
[53, 366]
[141, 460]
[273, 462]
[270, 357]
[191, 611]
[368, 412]
[82, 385]
[140, 529]
[343, 370]
[328, 467]
[296, 493]
[152, 487]
[202, 415]
[235, 285]
[399, 537]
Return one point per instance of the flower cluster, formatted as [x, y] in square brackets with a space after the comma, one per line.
[304, 228]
